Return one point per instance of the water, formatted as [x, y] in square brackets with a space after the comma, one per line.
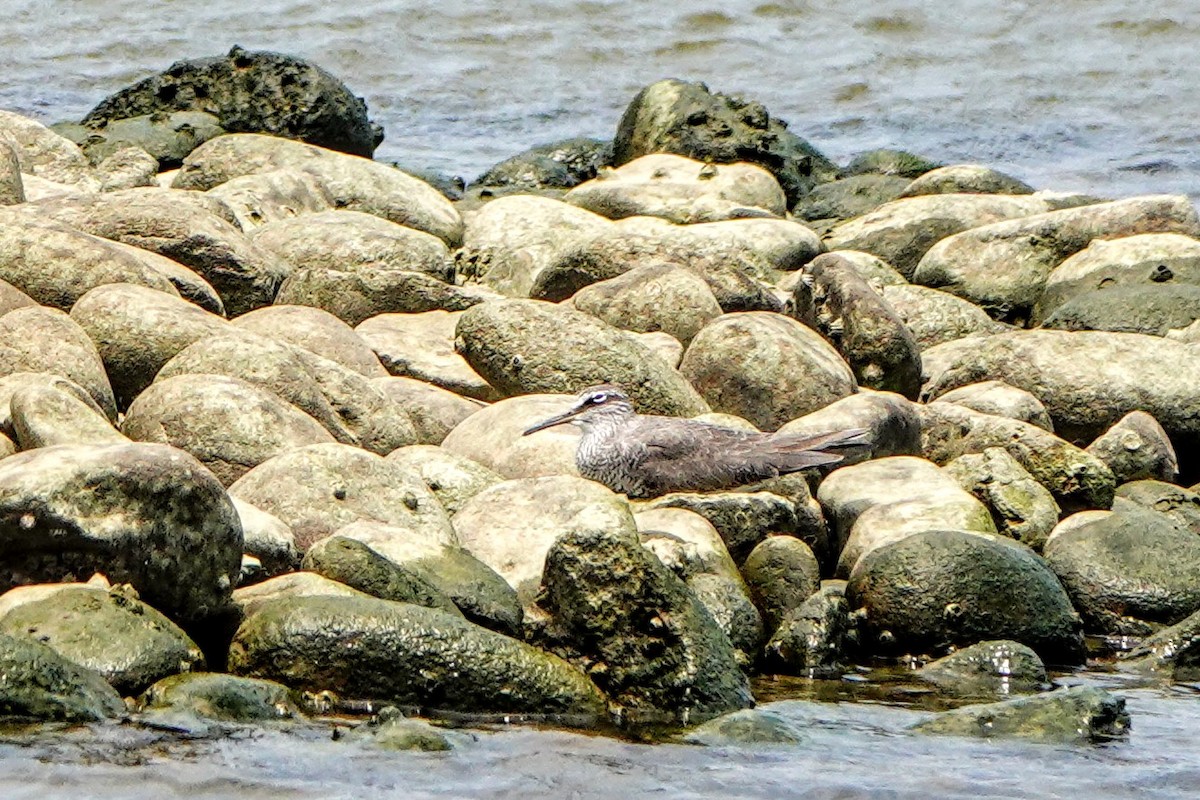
[1087, 95]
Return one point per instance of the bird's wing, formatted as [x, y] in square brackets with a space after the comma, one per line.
[694, 456]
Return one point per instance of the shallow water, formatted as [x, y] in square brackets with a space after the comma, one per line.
[1089, 95]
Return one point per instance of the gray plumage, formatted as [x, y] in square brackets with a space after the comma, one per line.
[645, 455]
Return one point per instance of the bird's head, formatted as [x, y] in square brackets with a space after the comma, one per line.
[593, 405]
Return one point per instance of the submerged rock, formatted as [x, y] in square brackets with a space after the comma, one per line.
[1079, 715]
[746, 727]
[391, 730]
[1172, 652]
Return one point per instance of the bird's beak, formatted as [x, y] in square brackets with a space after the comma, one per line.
[557, 419]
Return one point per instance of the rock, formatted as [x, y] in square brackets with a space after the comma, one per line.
[973, 589]
[527, 346]
[434, 411]
[934, 317]
[885, 161]
[1129, 570]
[43, 416]
[187, 282]
[812, 638]
[840, 304]
[356, 184]
[892, 422]
[765, 367]
[508, 242]
[127, 168]
[184, 227]
[55, 264]
[40, 684]
[250, 599]
[782, 244]
[166, 138]
[108, 631]
[681, 190]
[849, 197]
[344, 240]
[510, 526]
[36, 339]
[1078, 715]
[12, 188]
[663, 345]
[873, 269]
[452, 478]
[137, 330]
[12, 298]
[251, 91]
[1004, 267]
[44, 154]
[1077, 479]
[393, 731]
[781, 572]
[1181, 505]
[1173, 652]
[558, 165]
[268, 539]
[225, 698]
[410, 655]
[228, 424]
[421, 346]
[746, 727]
[1139, 260]
[316, 331]
[168, 504]
[274, 196]
[353, 563]
[965, 179]
[493, 437]
[370, 291]
[38, 382]
[900, 232]
[1000, 400]
[988, 668]
[1021, 507]
[673, 116]
[742, 518]
[316, 490]
[1152, 310]
[1136, 447]
[652, 298]
[651, 647]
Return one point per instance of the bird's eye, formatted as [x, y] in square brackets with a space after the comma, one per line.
[598, 398]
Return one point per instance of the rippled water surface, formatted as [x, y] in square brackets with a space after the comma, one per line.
[1094, 95]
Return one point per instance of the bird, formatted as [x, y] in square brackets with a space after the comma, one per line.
[647, 455]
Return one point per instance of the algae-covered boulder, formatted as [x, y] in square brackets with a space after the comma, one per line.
[378, 650]
[353, 563]
[781, 572]
[452, 478]
[973, 589]
[1079, 715]
[1022, 508]
[38, 683]
[988, 668]
[812, 638]
[656, 297]
[316, 331]
[749, 726]
[650, 645]
[216, 696]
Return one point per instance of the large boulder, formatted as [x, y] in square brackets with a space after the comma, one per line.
[44, 415]
[655, 297]
[1076, 715]
[44, 340]
[433, 410]
[1135, 448]
[1022, 508]
[494, 436]
[934, 317]
[316, 331]
[452, 478]
[421, 346]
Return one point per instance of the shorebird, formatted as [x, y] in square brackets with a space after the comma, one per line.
[646, 455]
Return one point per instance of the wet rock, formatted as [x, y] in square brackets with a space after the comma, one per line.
[900, 232]
[812, 638]
[108, 631]
[57, 526]
[1003, 267]
[40, 684]
[316, 490]
[652, 298]
[268, 539]
[137, 330]
[215, 696]
[434, 411]
[12, 188]
[673, 116]
[526, 346]
[273, 196]
[1128, 570]
[44, 415]
[249, 599]
[228, 424]
[681, 190]
[850, 197]
[452, 478]
[1079, 715]
[988, 668]
[1140, 260]
[1152, 310]
[746, 727]
[345, 240]
[1001, 400]
[1181, 505]
[316, 331]
[558, 165]
[508, 242]
[353, 563]
[421, 346]
[1077, 479]
[357, 184]
[167, 138]
[1136, 447]
[253, 91]
[840, 304]
[44, 154]
[55, 264]
[393, 731]
[973, 589]
[1021, 507]
[781, 573]
[1173, 652]
[765, 367]
[934, 317]
[127, 168]
[886, 161]
[892, 422]
[642, 634]
[965, 179]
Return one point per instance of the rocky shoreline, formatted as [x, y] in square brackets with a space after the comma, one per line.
[262, 397]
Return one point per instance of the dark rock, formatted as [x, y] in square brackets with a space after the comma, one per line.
[391, 730]
[40, 684]
[988, 668]
[1079, 715]
[1137, 447]
[742, 518]
[1181, 505]
[890, 162]
[167, 137]
[558, 165]
[353, 563]
[1172, 652]
[849, 197]
[746, 727]
[216, 696]
[782, 573]
[812, 638]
